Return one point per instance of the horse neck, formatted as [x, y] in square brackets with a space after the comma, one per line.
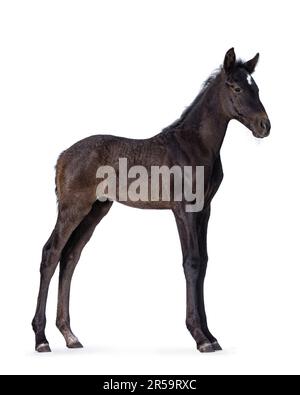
[207, 121]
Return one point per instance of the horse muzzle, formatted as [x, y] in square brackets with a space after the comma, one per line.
[262, 127]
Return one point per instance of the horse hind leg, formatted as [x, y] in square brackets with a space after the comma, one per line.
[69, 259]
[70, 215]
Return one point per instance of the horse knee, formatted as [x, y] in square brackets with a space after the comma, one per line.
[194, 266]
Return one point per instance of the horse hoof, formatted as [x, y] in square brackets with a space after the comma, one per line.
[75, 344]
[43, 347]
[206, 347]
[216, 346]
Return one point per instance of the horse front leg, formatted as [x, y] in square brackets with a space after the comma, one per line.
[194, 264]
[202, 224]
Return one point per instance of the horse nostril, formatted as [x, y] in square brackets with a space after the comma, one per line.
[265, 125]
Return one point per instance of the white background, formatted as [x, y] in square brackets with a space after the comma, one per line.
[69, 69]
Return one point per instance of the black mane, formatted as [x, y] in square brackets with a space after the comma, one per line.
[207, 83]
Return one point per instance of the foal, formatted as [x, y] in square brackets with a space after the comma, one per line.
[194, 139]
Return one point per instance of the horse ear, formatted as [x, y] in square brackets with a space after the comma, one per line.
[229, 61]
[251, 64]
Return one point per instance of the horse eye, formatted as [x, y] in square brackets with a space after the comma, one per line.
[238, 90]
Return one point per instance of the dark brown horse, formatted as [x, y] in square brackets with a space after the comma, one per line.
[193, 140]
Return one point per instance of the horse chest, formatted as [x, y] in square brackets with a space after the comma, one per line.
[214, 181]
